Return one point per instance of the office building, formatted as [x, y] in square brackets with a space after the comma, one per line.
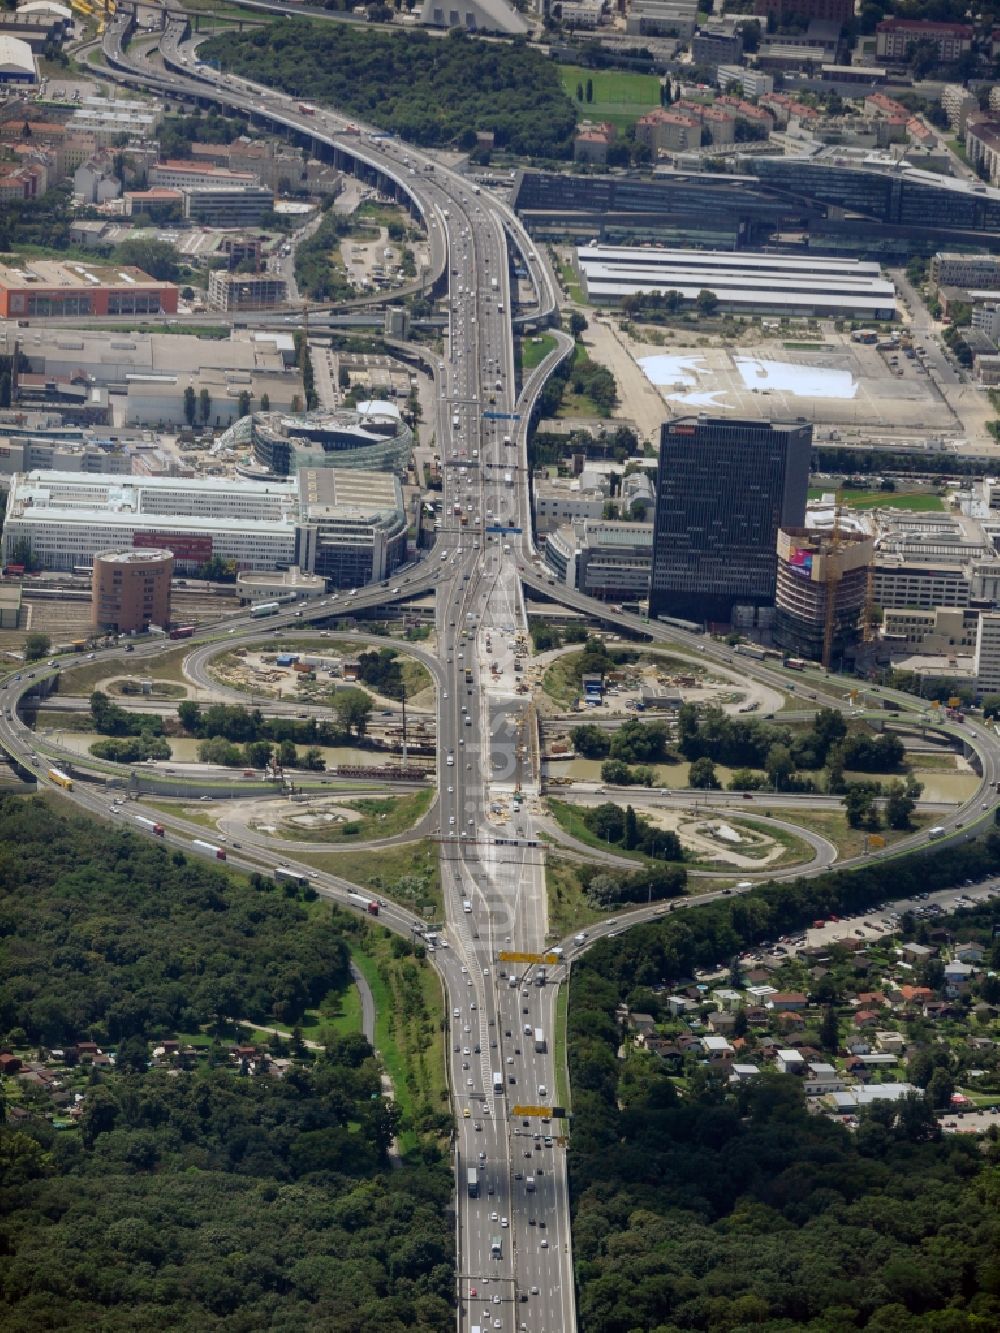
[944, 631]
[66, 519]
[813, 570]
[723, 489]
[29, 453]
[986, 661]
[352, 525]
[711, 47]
[662, 18]
[226, 206]
[948, 269]
[754, 82]
[371, 437]
[38, 288]
[131, 590]
[604, 558]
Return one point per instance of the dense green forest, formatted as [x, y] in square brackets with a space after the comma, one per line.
[736, 1208]
[214, 1194]
[395, 81]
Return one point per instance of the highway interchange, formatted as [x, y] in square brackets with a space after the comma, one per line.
[492, 874]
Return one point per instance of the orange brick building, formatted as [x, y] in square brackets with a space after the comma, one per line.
[46, 287]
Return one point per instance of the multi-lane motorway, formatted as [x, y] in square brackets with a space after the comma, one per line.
[514, 1254]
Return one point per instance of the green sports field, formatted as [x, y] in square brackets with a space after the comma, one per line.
[618, 97]
[920, 501]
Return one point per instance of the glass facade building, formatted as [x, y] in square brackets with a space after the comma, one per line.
[723, 489]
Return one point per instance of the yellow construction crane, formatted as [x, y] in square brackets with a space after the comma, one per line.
[831, 577]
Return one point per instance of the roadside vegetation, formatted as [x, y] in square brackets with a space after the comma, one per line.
[737, 1206]
[395, 79]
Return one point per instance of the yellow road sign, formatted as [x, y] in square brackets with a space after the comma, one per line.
[532, 1110]
[507, 956]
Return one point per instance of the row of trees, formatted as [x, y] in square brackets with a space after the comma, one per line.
[234, 722]
[747, 744]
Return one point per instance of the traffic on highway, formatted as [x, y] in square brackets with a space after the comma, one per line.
[499, 965]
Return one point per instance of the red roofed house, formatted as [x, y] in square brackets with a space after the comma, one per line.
[592, 143]
[865, 1018]
[787, 1001]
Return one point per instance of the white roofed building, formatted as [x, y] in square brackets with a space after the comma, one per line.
[740, 280]
[17, 63]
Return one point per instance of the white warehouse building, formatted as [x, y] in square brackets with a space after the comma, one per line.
[742, 281]
[65, 518]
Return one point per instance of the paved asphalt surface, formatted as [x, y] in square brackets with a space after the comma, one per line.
[483, 728]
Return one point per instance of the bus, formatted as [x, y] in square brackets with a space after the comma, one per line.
[151, 824]
[283, 875]
[182, 632]
[689, 626]
[60, 778]
[794, 664]
[218, 852]
[539, 1040]
[498, 1085]
[496, 1248]
[263, 609]
[472, 1182]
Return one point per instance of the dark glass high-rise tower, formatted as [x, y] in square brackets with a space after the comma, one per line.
[723, 489]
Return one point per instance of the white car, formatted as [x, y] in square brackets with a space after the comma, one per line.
[544, 1243]
[504, 1222]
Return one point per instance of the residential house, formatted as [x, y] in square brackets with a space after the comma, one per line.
[970, 952]
[717, 1048]
[957, 978]
[722, 1020]
[787, 1002]
[592, 142]
[865, 1018]
[786, 1023]
[677, 1005]
[890, 1043]
[917, 953]
[821, 1078]
[642, 1024]
[741, 1073]
[9, 1064]
[95, 180]
[726, 998]
[912, 995]
[790, 1061]
[759, 994]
